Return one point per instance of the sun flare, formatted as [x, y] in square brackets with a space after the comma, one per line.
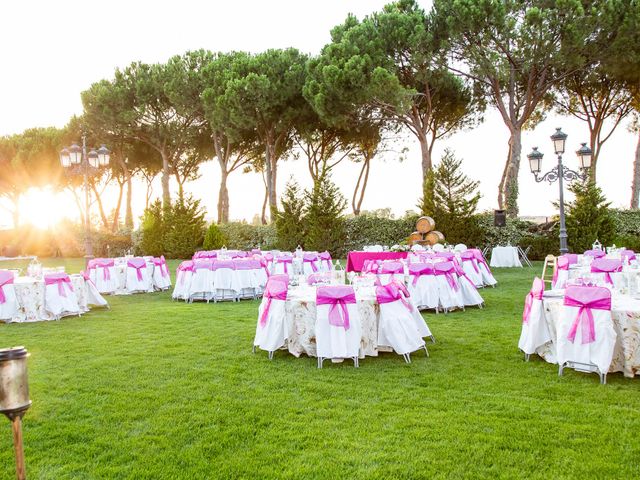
[44, 208]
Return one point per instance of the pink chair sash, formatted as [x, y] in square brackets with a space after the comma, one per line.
[535, 294]
[469, 256]
[59, 279]
[595, 253]
[563, 263]
[447, 255]
[105, 264]
[338, 297]
[461, 274]
[286, 261]
[311, 258]
[138, 264]
[628, 254]
[392, 292]
[6, 278]
[447, 269]
[587, 298]
[416, 270]
[326, 258]
[276, 289]
[479, 257]
[606, 266]
[217, 264]
[391, 267]
[202, 264]
[186, 266]
[159, 262]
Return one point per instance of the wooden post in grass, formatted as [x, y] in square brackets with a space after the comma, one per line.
[16, 426]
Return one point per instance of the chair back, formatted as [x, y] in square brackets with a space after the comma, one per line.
[391, 267]
[550, 266]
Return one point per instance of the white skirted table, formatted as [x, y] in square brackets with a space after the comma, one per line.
[625, 312]
[30, 297]
[505, 257]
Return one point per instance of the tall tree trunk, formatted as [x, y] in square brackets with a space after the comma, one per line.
[595, 146]
[508, 194]
[116, 211]
[635, 185]
[223, 196]
[128, 217]
[180, 183]
[425, 152]
[361, 185]
[103, 216]
[166, 194]
[270, 171]
[263, 217]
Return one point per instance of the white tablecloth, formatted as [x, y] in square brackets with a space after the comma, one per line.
[505, 257]
[625, 312]
[30, 296]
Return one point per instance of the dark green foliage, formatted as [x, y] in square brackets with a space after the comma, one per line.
[324, 216]
[289, 221]
[214, 238]
[175, 232]
[244, 236]
[451, 198]
[589, 217]
[370, 229]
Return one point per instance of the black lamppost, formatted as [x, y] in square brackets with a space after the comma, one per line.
[561, 173]
[76, 161]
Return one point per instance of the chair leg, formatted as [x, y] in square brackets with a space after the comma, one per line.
[560, 369]
[526, 357]
[407, 358]
[319, 362]
[426, 350]
[253, 349]
[355, 362]
[271, 355]
[603, 378]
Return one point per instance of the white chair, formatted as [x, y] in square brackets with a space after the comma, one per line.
[201, 284]
[94, 297]
[602, 268]
[389, 271]
[161, 277]
[8, 300]
[423, 286]
[448, 286]
[438, 247]
[310, 263]
[59, 297]
[487, 276]
[561, 270]
[338, 330]
[535, 331]
[247, 280]
[137, 277]
[103, 274]
[470, 267]
[585, 333]
[460, 247]
[326, 263]
[468, 291]
[417, 248]
[225, 280]
[396, 326]
[283, 265]
[184, 273]
[271, 330]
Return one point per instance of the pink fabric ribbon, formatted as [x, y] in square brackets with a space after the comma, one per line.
[338, 297]
[469, 256]
[276, 289]
[60, 279]
[416, 270]
[628, 254]
[534, 294]
[311, 258]
[326, 258]
[447, 269]
[595, 253]
[392, 292]
[563, 263]
[138, 264]
[461, 274]
[6, 278]
[186, 266]
[479, 258]
[606, 266]
[217, 264]
[587, 299]
[286, 261]
[87, 278]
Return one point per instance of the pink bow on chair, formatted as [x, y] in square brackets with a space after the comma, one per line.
[105, 264]
[535, 294]
[606, 266]
[6, 278]
[417, 270]
[392, 292]
[447, 269]
[286, 261]
[138, 264]
[563, 263]
[311, 258]
[586, 298]
[469, 256]
[338, 297]
[595, 253]
[60, 279]
[326, 258]
[276, 289]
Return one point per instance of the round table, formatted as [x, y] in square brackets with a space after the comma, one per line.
[505, 257]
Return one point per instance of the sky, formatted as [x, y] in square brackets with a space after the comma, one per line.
[51, 51]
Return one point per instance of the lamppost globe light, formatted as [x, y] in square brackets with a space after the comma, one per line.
[103, 156]
[585, 156]
[559, 138]
[535, 160]
[92, 157]
[75, 154]
[65, 159]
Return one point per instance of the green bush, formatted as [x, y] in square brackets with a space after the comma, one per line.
[490, 235]
[243, 236]
[214, 238]
[289, 221]
[541, 245]
[152, 230]
[589, 217]
[323, 219]
[371, 229]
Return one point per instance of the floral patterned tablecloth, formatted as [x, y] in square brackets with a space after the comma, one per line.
[301, 321]
[30, 296]
[625, 312]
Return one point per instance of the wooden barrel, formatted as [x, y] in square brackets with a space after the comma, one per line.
[434, 237]
[425, 224]
[415, 237]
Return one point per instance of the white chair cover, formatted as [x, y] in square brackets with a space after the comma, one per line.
[138, 277]
[59, 297]
[246, 271]
[225, 280]
[93, 295]
[103, 274]
[460, 247]
[471, 268]
[397, 326]
[161, 276]
[183, 281]
[283, 265]
[487, 276]
[535, 331]
[468, 291]
[201, 284]
[579, 340]
[271, 330]
[338, 330]
[448, 286]
[438, 247]
[423, 286]
[8, 300]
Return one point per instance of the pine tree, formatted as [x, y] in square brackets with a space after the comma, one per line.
[589, 217]
[290, 227]
[153, 230]
[451, 198]
[324, 216]
[214, 238]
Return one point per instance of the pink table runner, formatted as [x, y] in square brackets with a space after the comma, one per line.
[355, 260]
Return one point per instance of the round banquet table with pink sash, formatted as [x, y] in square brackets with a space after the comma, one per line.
[30, 296]
[301, 321]
[625, 311]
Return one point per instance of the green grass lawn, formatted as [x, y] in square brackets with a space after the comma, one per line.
[154, 389]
